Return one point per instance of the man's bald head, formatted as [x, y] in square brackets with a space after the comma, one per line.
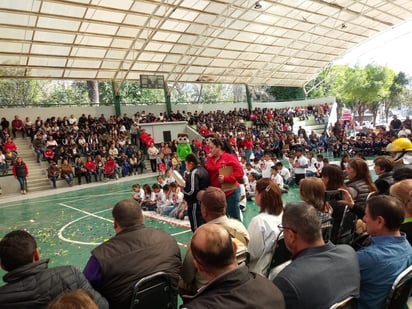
[127, 213]
[212, 247]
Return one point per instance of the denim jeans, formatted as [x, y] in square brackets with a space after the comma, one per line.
[22, 182]
[233, 208]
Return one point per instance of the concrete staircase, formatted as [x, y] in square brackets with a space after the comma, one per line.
[37, 180]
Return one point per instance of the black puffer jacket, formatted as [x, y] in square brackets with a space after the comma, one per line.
[34, 286]
[359, 190]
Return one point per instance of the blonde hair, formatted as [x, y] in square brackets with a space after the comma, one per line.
[312, 191]
[402, 190]
[77, 299]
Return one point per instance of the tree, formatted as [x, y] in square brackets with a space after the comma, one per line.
[397, 93]
[93, 91]
[19, 92]
[366, 87]
[286, 93]
[356, 88]
[64, 92]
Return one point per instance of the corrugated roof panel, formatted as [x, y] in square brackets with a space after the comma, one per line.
[10, 59]
[63, 9]
[219, 40]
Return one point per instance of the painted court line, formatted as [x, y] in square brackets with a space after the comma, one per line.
[89, 214]
[60, 232]
[155, 216]
[180, 233]
[86, 212]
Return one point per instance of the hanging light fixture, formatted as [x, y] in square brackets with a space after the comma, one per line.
[257, 5]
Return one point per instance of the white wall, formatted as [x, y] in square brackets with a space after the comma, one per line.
[47, 112]
[156, 129]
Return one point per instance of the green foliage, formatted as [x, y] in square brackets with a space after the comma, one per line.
[287, 93]
[211, 93]
[19, 92]
[130, 93]
[207, 93]
[361, 88]
[356, 88]
[70, 93]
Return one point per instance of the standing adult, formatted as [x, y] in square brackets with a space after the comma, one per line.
[247, 145]
[134, 252]
[20, 172]
[300, 163]
[134, 134]
[395, 123]
[221, 158]
[197, 178]
[152, 152]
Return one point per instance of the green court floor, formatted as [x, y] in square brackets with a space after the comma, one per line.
[69, 223]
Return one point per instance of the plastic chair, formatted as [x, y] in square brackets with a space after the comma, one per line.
[400, 291]
[348, 303]
[343, 230]
[109, 168]
[154, 291]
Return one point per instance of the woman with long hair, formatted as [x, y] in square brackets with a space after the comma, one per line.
[312, 192]
[360, 185]
[67, 172]
[80, 170]
[263, 228]
[225, 172]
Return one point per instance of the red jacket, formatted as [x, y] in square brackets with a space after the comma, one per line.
[10, 145]
[247, 144]
[90, 166]
[226, 159]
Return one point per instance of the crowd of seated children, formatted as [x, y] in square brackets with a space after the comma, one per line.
[174, 197]
[167, 200]
[152, 197]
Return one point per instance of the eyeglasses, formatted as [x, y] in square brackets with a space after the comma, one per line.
[282, 228]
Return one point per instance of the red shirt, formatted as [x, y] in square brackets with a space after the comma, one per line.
[226, 159]
[247, 144]
[90, 166]
[10, 145]
[17, 124]
[204, 131]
